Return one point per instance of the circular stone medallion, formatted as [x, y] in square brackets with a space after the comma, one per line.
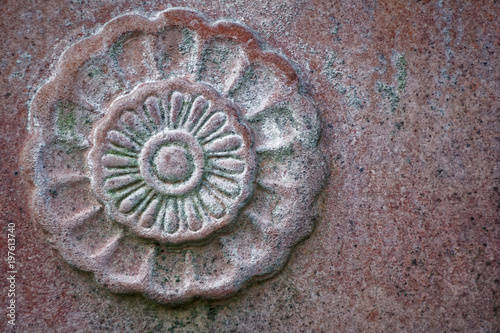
[174, 157]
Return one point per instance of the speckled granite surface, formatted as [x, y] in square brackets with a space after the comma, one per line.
[407, 236]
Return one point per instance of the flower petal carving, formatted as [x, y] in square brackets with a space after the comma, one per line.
[151, 163]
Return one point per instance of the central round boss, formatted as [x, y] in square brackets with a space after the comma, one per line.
[172, 162]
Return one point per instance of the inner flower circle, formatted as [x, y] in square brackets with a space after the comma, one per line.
[172, 162]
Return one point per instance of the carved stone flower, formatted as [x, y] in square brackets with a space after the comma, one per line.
[172, 161]
[174, 157]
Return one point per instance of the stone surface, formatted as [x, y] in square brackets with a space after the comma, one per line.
[407, 236]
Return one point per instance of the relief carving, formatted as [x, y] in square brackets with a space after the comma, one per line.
[174, 157]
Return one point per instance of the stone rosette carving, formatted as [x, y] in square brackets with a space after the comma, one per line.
[174, 157]
[172, 161]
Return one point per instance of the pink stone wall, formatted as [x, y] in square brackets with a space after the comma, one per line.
[407, 237]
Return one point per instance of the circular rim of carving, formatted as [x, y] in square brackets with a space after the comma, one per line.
[225, 60]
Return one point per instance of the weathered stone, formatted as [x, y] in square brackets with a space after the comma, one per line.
[407, 234]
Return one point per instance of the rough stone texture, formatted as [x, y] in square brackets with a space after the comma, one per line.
[408, 234]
